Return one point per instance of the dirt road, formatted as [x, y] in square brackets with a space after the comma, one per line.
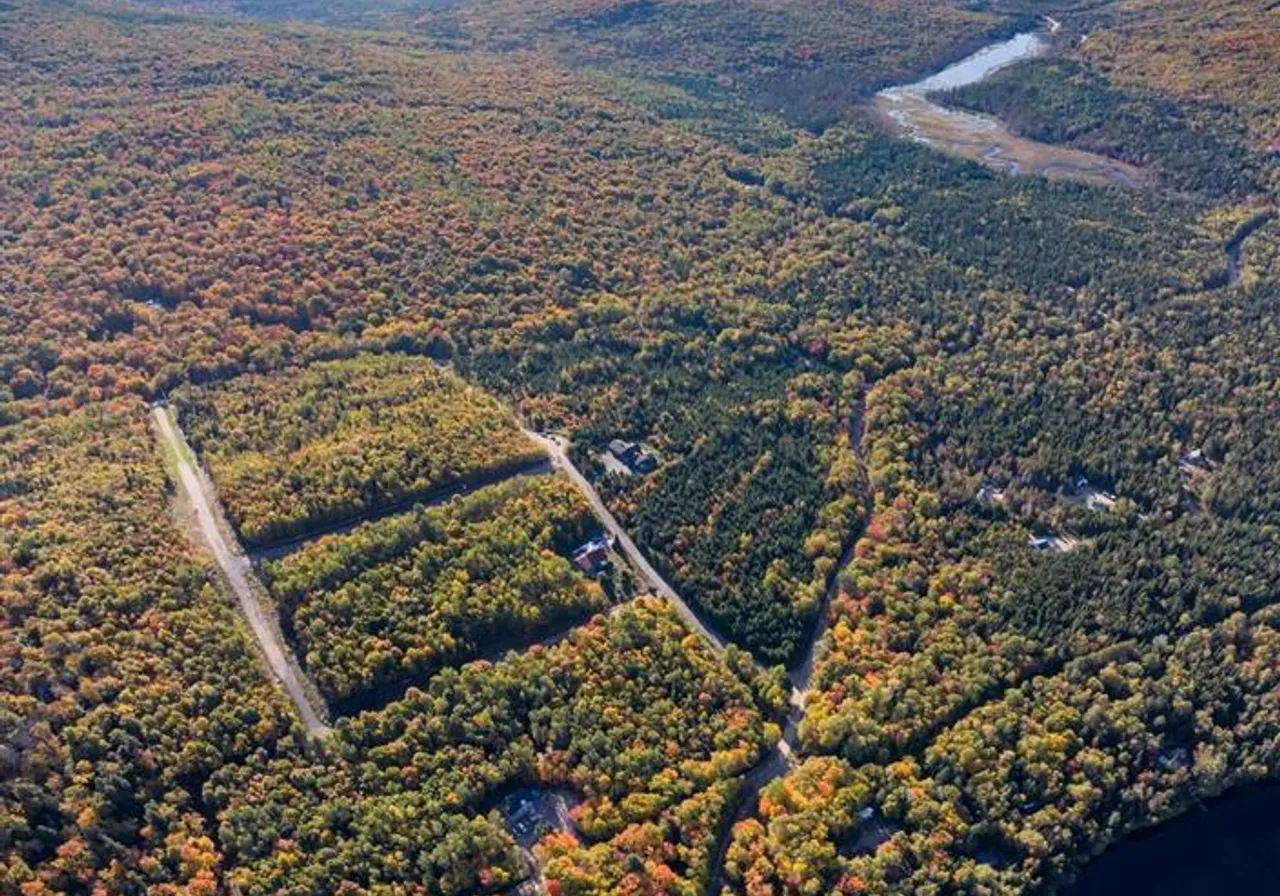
[628, 547]
[277, 549]
[781, 759]
[236, 568]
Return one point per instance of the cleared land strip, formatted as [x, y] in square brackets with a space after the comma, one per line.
[277, 549]
[237, 569]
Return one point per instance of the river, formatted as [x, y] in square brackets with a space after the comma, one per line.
[977, 67]
[1233, 844]
[909, 112]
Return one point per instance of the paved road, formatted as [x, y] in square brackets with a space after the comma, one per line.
[782, 757]
[236, 567]
[799, 676]
[778, 760]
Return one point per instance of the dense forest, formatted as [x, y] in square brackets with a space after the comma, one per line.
[1196, 51]
[1006, 444]
[345, 438]
[128, 683]
[401, 597]
[646, 726]
[757, 495]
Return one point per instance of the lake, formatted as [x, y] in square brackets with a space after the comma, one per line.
[1232, 846]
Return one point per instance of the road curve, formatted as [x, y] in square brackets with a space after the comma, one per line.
[237, 569]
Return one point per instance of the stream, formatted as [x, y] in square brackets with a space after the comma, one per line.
[1235, 245]
[909, 111]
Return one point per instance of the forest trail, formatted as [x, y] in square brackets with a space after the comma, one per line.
[802, 674]
[236, 567]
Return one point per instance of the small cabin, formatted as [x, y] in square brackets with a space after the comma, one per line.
[871, 832]
[989, 496]
[624, 450]
[633, 456]
[1196, 461]
[592, 557]
[1172, 759]
[1095, 500]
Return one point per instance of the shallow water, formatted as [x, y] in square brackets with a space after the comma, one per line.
[909, 111]
[973, 69]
